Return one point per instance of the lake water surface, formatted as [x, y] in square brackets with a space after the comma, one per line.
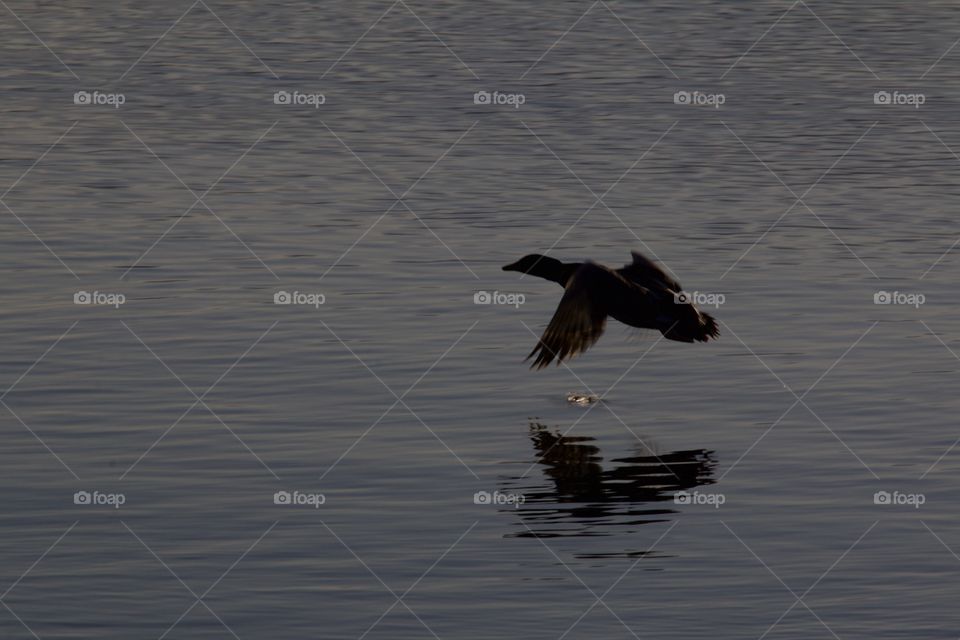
[164, 459]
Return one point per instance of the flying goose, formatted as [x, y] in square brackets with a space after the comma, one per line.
[640, 295]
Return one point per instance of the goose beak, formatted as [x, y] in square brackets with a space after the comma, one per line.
[512, 266]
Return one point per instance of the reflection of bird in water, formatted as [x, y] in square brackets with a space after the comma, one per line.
[584, 499]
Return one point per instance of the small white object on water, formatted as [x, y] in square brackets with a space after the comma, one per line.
[581, 399]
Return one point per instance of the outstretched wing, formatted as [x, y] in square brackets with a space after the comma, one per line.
[647, 273]
[579, 319]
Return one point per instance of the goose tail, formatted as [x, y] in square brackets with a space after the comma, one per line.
[702, 328]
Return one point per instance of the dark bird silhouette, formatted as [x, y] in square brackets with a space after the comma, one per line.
[640, 295]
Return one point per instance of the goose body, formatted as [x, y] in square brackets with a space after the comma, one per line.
[639, 295]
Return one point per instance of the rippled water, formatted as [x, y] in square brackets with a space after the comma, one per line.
[724, 490]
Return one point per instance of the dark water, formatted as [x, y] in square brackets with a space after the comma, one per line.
[724, 490]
